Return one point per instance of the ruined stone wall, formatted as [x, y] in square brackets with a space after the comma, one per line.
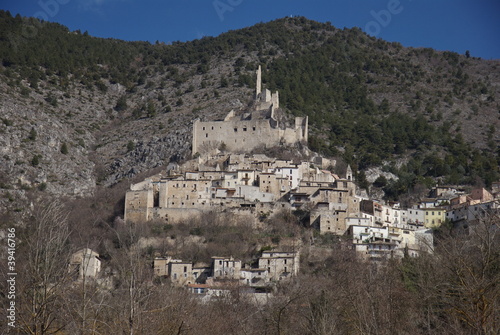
[297, 134]
[174, 215]
[329, 221]
[237, 135]
[137, 204]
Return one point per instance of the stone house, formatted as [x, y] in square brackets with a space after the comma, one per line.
[481, 195]
[181, 273]
[280, 264]
[160, 266]
[85, 263]
[274, 184]
[254, 277]
[332, 202]
[224, 267]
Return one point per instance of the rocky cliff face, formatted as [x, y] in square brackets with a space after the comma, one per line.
[63, 133]
[67, 142]
[41, 151]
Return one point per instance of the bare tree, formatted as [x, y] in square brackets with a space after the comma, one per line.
[45, 272]
[470, 271]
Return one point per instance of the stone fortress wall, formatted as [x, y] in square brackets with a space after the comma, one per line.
[244, 131]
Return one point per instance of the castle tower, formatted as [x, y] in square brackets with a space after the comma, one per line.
[258, 85]
[348, 173]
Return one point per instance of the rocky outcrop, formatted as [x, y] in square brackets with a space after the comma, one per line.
[148, 155]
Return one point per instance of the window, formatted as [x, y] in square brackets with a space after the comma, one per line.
[185, 269]
[235, 129]
[244, 128]
[203, 128]
[206, 135]
[253, 128]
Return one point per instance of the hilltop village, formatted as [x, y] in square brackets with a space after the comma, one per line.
[224, 177]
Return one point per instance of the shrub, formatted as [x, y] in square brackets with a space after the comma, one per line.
[35, 161]
[64, 149]
[130, 146]
[121, 104]
[381, 181]
[32, 135]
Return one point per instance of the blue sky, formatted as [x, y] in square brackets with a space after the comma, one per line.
[456, 25]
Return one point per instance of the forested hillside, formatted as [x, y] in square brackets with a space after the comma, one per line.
[80, 111]
[83, 117]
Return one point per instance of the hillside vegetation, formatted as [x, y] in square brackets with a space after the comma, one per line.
[78, 112]
[83, 117]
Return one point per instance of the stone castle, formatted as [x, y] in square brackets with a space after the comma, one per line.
[244, 131]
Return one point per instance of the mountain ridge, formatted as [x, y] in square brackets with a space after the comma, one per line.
[123, 108]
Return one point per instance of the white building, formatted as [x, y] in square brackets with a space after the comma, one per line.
[254, 277]
[413, 216]
[474, 212]
[359, 221]
[85, 263]
[291, 173]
